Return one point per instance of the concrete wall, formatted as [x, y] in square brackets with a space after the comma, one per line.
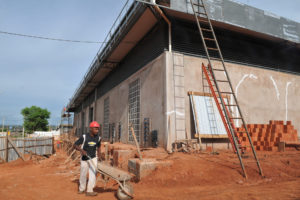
[263, 94]
[151, 100]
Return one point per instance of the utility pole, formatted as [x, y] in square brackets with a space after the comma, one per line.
[2, 124]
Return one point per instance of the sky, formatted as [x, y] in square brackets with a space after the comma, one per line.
[46, 73]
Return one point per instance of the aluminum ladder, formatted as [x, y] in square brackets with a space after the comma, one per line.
[218, 79]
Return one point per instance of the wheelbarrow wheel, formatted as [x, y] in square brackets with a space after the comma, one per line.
[122, 195]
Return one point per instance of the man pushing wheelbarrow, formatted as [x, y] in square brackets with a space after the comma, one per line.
[89, 146]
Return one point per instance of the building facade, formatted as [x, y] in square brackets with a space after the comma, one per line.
[143, 77]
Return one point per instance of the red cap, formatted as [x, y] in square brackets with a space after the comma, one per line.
[94, 124]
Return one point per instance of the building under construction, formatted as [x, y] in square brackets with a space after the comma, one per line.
[149, 74]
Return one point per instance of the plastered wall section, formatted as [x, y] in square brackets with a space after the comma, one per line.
[262, 94]
[151, 100]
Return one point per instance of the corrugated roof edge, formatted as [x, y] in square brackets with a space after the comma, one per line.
[241, 15]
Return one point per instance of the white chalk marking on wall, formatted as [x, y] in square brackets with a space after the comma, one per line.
[286, 99]
[251, 76]
[237, 87]
[276, 88]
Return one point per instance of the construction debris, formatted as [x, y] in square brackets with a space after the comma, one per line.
[187, 146]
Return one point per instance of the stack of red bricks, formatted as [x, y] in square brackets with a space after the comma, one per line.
[265, 137]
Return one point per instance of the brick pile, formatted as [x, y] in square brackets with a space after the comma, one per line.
[265, 137]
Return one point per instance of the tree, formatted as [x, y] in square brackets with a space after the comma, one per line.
[35, 119]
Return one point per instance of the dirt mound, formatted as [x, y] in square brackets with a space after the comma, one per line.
[192, 176]
[207, 176]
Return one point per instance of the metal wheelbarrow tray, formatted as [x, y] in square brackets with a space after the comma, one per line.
[125, 190]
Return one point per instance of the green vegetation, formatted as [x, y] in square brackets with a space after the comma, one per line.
[35, 119]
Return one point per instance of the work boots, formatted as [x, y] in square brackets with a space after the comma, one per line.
[91, 194]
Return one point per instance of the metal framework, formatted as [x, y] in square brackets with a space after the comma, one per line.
[134, 109]
[106, 119]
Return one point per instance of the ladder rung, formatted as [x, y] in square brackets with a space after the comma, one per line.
[201, 20]
[200, 13]
[244, 145]
[247, 162]
[226, 92]
[222, 81]
[211, 39]
[217, 59]
[235, 118]
[199, 5]
[208, 86]
[218, 70]
[205, 29]
[230, 105]
[242, 131]
[213, 49]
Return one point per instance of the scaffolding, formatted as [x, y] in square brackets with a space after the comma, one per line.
[66, 123]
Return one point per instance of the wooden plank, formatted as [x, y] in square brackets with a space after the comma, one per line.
[70, 156]
[40, 145]
[24, 145]
[53, 151]
[292, 143]
[35, 139]
[114, 172]
[31, 153]
[6, 148]
[199, 93]
[106, 151]
[35, 145]
[186, 141]
[204, 94]
[16, 148]
[223, 136]
[195, 115]
[136, 143]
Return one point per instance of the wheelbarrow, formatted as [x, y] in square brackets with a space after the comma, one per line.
[125, 190]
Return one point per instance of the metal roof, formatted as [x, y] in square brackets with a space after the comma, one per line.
[247, 17]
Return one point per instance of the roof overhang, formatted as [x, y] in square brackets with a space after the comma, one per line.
[136, 26]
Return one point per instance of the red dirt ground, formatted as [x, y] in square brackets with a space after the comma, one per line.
[192, 176]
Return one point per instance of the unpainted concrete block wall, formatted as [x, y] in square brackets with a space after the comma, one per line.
[263, 94]
[151, 100]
